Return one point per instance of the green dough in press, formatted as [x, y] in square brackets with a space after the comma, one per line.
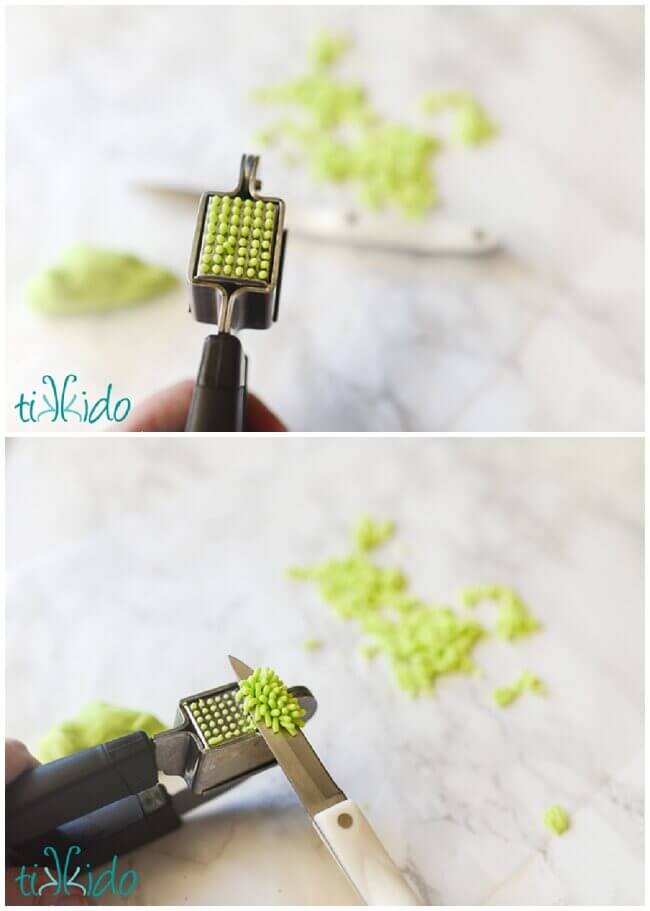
[92, 280]
[266, 698]
[96, 723]
[421, 642]
[557, 819]
[527, 682]
[341, 137]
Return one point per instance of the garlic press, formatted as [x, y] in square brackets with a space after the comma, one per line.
[235, 275]
[108, 799]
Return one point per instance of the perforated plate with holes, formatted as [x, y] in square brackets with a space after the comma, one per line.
[218, 718]
[238, 239]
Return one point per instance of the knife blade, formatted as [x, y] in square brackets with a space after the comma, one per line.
[352, 227]
[339, 822]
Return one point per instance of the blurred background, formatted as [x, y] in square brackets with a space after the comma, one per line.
[131, 578]
[546, 335]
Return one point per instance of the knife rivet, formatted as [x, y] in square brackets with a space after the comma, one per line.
[344, 820]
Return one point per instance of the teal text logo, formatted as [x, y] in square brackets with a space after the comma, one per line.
[65, 877]
[64, 402]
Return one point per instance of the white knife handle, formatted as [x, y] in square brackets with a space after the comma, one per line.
[362, 857]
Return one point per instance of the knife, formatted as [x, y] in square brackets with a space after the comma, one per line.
[351, 227]
[339, 821]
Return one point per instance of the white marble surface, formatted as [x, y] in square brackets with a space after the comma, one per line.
[135, 566]
[546, 336]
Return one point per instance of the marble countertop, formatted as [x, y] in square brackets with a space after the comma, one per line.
[132, 574]
[547, 335]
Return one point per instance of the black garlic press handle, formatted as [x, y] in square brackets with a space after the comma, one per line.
[219, 399]
[50, 795]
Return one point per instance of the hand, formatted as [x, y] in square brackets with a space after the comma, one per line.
[18, 759]
[167, 410]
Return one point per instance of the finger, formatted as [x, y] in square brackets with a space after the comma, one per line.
[18, 759]
[261, 419]
[164, 412]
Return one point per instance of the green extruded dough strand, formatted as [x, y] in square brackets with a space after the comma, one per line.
[92, 280]
[266, 699]
[557, 819]
[96, 723]
[527, 682]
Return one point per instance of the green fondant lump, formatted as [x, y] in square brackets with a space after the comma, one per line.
[267, 700]
[96, 723]
[557, 819]
[92, 280]
[341, 137]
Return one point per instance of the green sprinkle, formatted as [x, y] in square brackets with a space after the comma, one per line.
[312, 645]
[513, 617]
[527, 682]
[327, 48]
[557, 819]
[420, 642]
[370, 534]
[472, 124]
[262, 692]
[369, 651]
[339, 135]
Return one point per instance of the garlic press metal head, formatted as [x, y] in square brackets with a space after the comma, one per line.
[236, 262]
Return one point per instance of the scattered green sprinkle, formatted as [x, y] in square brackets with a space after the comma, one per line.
[513, 617]
[506, 695]
[369, 651]
[312, 645]
[91, 280]
[266, 699]
[342, 138]
[472, 124]
[96, 723]
[419, 641]
[370, 534]
[557, 819]
[327, 48]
